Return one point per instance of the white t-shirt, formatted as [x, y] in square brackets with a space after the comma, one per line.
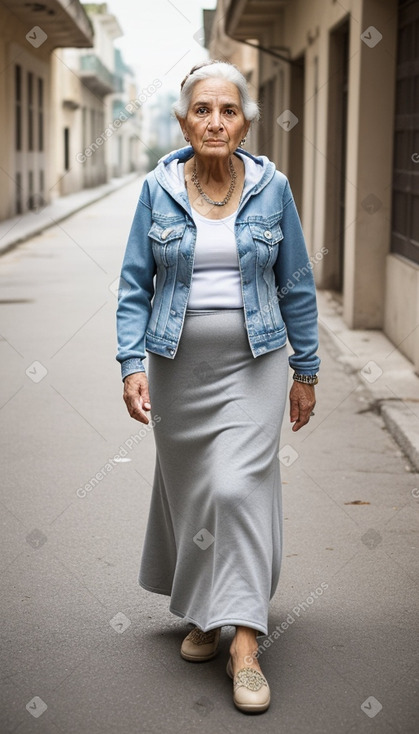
[216, 275]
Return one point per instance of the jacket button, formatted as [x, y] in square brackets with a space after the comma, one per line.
[172, 351]
[268, 234]
[172, 312]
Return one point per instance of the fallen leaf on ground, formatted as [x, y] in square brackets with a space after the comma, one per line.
[357, 502]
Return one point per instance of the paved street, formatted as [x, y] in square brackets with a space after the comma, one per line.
[84, 649]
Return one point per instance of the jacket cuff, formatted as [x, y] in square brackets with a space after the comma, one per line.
[129, 366]
[312, 369]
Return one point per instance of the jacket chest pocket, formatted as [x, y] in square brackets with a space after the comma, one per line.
[165, 240]
[266, 238]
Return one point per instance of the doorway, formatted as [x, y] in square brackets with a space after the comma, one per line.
[337, 126]
[296, 135]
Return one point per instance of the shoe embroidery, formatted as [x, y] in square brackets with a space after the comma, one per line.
[198, 637]
[250, 679]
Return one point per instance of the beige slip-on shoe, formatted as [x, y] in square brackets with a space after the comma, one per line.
[251, 692]
[199, 646]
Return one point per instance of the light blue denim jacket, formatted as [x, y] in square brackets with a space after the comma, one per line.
[276, 275]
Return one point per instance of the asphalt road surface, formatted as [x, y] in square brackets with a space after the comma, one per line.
[84, 649]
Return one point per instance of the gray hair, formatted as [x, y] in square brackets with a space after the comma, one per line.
[221, 70]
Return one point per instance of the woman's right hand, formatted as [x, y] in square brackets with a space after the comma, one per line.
[136, 396]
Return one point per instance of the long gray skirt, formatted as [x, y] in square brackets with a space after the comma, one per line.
[214, 535]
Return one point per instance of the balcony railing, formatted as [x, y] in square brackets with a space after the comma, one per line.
[96, 76]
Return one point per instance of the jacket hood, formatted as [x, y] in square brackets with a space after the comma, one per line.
[259, 170]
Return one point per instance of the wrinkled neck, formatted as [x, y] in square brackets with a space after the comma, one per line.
[213, 170]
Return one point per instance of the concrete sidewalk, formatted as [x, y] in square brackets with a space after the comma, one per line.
[21, 228]
[388, 377]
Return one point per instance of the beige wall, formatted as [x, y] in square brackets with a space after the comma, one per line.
[66, 86]
[13, 51]
[307, 28]
[68, 103]
[72, 107]
[102, 144]
[401, 322]
[380, 290]
[369, 163]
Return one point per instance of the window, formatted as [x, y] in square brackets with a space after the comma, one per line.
[92, 131]
[66, 148]
[84, 126]
[31, 202]
[405, 218]
[18, 193]
[18, 107]
[40, 114]
[30, 111]
[266, 129]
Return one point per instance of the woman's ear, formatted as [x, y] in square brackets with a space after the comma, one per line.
[183, 128]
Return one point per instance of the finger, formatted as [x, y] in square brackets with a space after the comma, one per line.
[303, 418]
[139, 410]
[145, 400]
[136, 406]
[135, 411]
[299, 424]
[145, 397]
[143, 403]
[294, 410]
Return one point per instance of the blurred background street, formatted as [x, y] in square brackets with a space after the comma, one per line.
[86, 92]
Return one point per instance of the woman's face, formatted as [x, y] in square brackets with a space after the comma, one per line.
[215, 123]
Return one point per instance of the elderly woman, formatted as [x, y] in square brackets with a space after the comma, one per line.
[214, 278]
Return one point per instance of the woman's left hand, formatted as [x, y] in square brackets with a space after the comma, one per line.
[302, 402]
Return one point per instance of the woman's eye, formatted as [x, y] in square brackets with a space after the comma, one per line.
[230, 113]
[201, 110]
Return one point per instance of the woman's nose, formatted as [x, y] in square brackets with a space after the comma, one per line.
[215, 121]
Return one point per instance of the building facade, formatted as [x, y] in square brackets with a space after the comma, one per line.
[96, 110]
[84, 83]
[126, 150]
[65, 95]
[29, 34]
[338, 85]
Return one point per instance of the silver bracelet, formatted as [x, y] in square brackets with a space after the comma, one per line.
[306, 379]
